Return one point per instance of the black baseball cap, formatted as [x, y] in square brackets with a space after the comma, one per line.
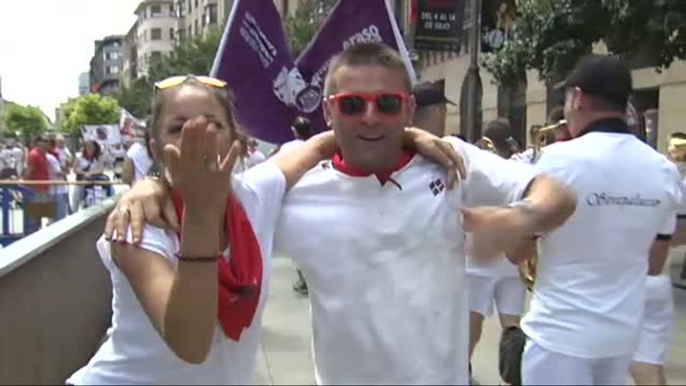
[601, 75]
[427, 94]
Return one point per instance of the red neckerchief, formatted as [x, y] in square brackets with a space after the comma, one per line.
[383, 177]
[240, 279]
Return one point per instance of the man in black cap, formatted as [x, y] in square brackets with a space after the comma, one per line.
[584, 320]
[431, 108]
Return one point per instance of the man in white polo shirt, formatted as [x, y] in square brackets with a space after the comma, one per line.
[380, 239]
[584, 319]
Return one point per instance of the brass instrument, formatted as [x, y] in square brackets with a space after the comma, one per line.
[487, 144]
[527, 269]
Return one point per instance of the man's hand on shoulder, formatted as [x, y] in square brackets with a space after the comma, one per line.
[148, 201]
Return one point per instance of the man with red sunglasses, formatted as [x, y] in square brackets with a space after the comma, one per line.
[383, 253]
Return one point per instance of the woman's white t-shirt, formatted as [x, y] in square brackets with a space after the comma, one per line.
[82, 163]
[141, 161]
[134, 353]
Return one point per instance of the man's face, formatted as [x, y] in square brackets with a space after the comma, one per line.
[60, 143]
[370, 140]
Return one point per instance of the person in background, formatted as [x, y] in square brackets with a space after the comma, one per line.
[64, 155]
[137, 162]
[88, 166]
[255, 156]
[58, 172]
[301, 131]
[38, 169]
[431, 108]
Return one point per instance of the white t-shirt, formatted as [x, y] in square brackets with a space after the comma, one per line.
[134, 353]
[254, 158]
[141, 161]
[55, 174]
[291, 144]
[589, 292]
[385, 266]
[82, 163]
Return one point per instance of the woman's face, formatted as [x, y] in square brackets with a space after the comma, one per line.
[186, 102]
[90, 148]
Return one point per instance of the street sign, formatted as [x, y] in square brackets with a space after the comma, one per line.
[439, 25]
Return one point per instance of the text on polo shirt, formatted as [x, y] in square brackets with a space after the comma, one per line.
[604, 199]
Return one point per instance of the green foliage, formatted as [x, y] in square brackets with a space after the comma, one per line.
[136, 98]
[550, 35]
[303, 25]
[91, 109]
[25, 122]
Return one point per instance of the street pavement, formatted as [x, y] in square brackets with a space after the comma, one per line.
[285, 356]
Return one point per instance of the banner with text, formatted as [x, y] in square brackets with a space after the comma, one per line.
[271, 88]
[439, 25]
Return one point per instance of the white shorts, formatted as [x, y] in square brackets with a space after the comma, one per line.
[658, 322]
[508, 293]
[543, 367]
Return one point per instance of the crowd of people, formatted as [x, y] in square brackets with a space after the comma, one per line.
[406, 240]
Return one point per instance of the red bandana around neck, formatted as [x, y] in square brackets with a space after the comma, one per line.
[383, 177]
[240, 279]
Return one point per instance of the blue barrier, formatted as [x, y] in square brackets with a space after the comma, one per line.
[7, 238]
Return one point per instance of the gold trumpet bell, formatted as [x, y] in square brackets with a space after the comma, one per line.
[527, 271]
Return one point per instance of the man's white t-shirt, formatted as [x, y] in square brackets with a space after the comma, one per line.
[385, 266]
[55, 174]
[134, 353]
[254, 158]
[142, 162]
[589, 292]
[291, 144]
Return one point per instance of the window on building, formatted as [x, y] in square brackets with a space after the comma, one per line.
[179, 8]
[181, 35]
[155, 10]
[155, 55]
[172, 34]
[190, 31]
[196, 4]
[284, 8]
[211, 14]
[190, 6]
[197, 29]
[112, 70]
[156, 34]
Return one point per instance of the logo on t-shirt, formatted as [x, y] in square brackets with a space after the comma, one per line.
[437, 186]
[604, 199]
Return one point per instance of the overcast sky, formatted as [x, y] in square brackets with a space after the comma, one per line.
[46, 44]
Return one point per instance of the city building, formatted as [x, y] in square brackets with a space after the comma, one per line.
[155, 31]
[105, 65]
[196, 17]
[84, 84]
[129, 56]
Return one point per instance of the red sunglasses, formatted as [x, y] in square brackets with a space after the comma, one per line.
[389, 103]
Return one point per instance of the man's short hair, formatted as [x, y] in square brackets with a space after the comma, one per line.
[365, 54]
[302, 128]
[498, 130]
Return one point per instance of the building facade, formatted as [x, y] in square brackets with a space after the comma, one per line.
[155, 31]
[84, 83]
[196, 17]
[105, 66]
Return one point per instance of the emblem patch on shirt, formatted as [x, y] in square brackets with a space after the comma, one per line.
[437, 186]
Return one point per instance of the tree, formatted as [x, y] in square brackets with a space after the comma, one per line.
[303, 25]
[136, 98]
[551, 35]
[26, 122]
[91, 109]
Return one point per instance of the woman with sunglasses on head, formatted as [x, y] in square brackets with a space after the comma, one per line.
[187, 304]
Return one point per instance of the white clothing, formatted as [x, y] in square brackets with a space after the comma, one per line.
[254, 158]
[508, 294]
[385, 263]
[291, 144]
[589, 292]
[570, 370]
[82, 163]
[55, 174]
[142, 162]
[658, 322]
[64, 156]
[134, 353]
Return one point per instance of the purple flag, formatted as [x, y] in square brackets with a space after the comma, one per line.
[253, 54]
[270, 89]
[350, 22]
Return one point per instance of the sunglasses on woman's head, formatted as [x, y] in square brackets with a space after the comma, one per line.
[180, 79]
[388, 103]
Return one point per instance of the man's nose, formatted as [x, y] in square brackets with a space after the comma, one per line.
[371, 114]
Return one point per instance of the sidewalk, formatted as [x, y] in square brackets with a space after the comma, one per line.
[285, 357]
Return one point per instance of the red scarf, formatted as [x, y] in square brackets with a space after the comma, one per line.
[240, 279]
[383, 177]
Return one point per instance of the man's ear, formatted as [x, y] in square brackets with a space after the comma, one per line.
[410, 109]
[326, 107]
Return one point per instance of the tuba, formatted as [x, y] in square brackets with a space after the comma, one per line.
[527, 269]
